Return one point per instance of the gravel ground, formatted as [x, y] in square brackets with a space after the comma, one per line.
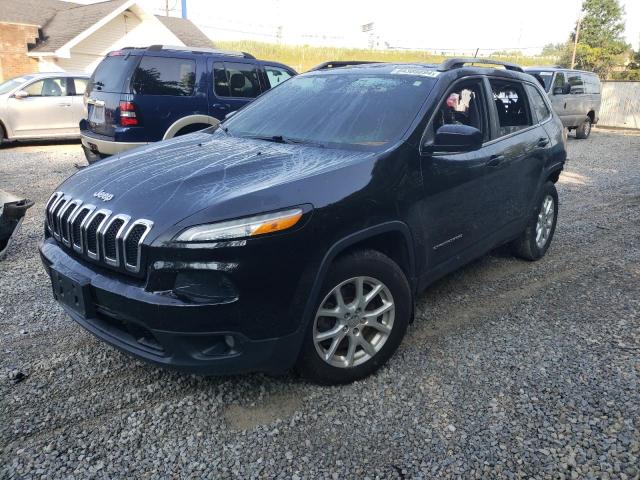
[512, 369]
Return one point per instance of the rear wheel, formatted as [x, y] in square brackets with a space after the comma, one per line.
[534, 242]
[359, 321]
[584, 129]
[1, 134]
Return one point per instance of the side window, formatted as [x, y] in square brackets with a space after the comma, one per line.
[243, 80]
[558, 84]
[538, 105]
[80, 85]
[165, 76]
[592, 84]
[512, 106]
[577, 84]
[464, 105]
[276, 75]
[49, 87]
[220, 80]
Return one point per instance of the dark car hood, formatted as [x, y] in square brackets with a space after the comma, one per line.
[169, 181]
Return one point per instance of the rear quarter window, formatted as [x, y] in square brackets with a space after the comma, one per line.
[165, 76]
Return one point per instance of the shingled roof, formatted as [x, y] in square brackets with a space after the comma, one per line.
[31, 12]
[186, 31]
[61, 22]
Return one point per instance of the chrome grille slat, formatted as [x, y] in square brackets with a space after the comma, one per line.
[97, 233]
[132, 243]
[91, 234]
[111, 238]
[64, 216]
[78, 222]
[55, 208]
[48, 209]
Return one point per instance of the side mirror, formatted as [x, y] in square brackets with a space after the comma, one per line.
[230, 114]
[455, 138]
[20, 94]
[558, 90]
[566, 88]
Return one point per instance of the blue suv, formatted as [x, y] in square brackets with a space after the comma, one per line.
[141, 95]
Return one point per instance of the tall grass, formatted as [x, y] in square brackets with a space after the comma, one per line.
[303, 57]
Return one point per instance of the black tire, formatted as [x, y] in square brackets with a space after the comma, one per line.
[91, 156]
[584, 130]
[2, 133]
[375, 266]
[526, 246]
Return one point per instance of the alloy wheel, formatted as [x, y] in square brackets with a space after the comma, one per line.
[353, 322]
[545, 221]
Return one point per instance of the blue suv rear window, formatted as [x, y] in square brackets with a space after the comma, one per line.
[111, 73]
[165, 76]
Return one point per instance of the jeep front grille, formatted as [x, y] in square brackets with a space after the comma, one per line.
[97, 233]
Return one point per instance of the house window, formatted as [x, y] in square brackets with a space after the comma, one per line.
[165, 76]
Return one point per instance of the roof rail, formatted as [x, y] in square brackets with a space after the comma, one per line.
[339, 63]
[180, 48]
[451, 63]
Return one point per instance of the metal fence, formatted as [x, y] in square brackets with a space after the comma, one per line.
[620, 104]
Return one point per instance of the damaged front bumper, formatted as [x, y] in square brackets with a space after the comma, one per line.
[12, 211]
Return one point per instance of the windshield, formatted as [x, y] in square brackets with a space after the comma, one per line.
[545, 76]
[367, 111]
[13, 83]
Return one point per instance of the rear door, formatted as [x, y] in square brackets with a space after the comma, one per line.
[520, 148]
[110, 80]
[234, 85]
[46, 111]
[578, 100]
[163, 91]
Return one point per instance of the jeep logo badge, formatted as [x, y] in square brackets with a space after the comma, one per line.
[102, 195]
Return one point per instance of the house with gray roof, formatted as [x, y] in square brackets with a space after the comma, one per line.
[52, 35]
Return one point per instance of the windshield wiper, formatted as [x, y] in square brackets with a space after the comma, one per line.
[283, 139]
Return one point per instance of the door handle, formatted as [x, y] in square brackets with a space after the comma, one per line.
[221, 106]
[495, 160]
[64, 104]
[543, 142]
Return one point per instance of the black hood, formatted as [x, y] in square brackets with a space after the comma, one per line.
[168, 181]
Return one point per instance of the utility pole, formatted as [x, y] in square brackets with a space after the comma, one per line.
[575, 40]
[166, 8]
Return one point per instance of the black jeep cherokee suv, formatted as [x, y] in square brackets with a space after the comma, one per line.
[301, 229]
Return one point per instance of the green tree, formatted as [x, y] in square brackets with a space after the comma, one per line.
[601, 45]
[553, 49]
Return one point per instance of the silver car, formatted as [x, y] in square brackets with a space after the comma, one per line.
[42, 105]
[574, 94]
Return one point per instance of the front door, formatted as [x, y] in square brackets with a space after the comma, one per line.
[45, 112]
[454, 208]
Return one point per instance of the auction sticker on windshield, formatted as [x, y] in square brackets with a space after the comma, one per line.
[415, 71]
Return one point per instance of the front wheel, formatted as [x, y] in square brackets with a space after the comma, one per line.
[584, 129]
[534, 242]
[360, 320]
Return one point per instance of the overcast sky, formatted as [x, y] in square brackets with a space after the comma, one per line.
[435, 25]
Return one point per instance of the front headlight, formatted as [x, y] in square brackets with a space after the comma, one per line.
[243, 227]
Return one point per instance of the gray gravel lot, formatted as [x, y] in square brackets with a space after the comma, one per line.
[511, 370]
